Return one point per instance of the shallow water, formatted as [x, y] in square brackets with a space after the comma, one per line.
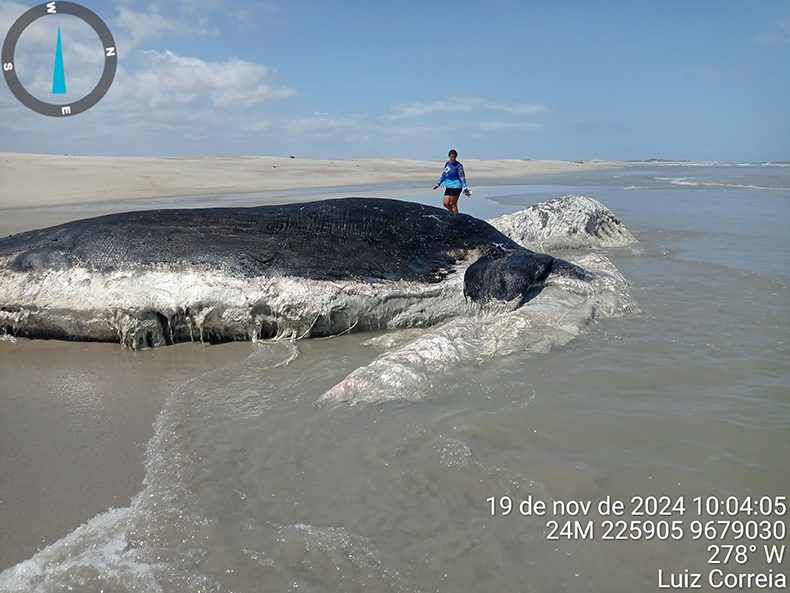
[249, 487]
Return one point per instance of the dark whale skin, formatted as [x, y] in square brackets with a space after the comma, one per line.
[368, 239]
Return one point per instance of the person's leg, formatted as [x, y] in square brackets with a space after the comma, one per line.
[453, 204]
[447, 202]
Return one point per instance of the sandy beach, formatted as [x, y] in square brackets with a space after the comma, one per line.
[86, 427]
[34, 180]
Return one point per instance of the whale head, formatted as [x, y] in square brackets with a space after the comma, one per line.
[506, 275]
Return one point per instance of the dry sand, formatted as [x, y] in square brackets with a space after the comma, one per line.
[34, 180]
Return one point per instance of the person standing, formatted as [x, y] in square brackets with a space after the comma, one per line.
[454, 181]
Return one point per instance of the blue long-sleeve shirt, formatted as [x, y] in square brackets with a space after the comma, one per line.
[453, 175]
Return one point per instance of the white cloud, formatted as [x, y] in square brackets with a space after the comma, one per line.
[780, 36]
[320, 123]
[138, 27]
[9, 12]
[196, 16]
[141, 26]
[466, 104]
[160, 102]
[503, 126]
[260, 125]
[165, 103]
[352, 127]
[414, 131]
[344, 127]
[170, 78]
[244, 16]
[382, 129]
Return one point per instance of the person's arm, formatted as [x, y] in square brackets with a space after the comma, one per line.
[461, 175]
[443, 177]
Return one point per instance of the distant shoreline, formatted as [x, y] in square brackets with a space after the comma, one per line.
[36, 180]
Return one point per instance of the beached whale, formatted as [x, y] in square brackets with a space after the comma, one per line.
[321, 268]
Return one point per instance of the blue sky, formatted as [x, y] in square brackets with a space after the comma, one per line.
[691, 79]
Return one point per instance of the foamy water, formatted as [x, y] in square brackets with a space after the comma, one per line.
[250, 487]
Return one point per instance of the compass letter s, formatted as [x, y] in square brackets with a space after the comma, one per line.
[51, 8]
[8, 66]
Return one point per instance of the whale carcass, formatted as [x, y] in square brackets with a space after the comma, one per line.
[321, 268]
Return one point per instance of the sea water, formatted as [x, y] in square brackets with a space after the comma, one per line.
[612, 463]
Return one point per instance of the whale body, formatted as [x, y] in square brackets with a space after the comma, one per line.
[287, 271]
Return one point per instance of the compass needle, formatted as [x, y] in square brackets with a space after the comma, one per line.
[59, 76]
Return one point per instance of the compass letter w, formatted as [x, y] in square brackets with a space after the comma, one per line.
[51, 8]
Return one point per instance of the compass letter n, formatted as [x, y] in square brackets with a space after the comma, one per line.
[51, 8]
[110, 51]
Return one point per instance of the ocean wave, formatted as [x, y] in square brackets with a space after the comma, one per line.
[708, 164]
[340, 558]
[158, 543]
[690, 181]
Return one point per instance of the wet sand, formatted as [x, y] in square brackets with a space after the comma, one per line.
[75, 423]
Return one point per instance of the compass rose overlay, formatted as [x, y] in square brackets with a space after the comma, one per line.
[108, 45]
